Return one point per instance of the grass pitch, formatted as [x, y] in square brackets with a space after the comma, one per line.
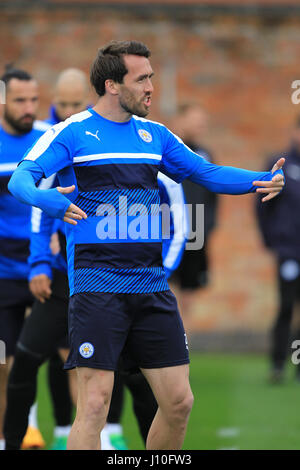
[235, 407]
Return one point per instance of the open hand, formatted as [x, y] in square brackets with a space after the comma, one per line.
[273, 187]
[73, 212]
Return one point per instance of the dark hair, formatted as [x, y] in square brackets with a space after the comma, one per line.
[11, 72]
[109, 63]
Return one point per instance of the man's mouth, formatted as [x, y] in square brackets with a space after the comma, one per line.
[147, 101]
[27, 119]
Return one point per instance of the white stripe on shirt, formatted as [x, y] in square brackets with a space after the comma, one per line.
[41, 125]
[46, 140]
[103, 156]
[176, 197]
[8, 167]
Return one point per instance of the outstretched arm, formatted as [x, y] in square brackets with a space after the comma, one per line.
[230, 180]
[180, 162]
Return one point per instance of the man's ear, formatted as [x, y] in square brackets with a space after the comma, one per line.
[111, 87]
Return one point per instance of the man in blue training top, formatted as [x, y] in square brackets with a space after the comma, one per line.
[19, 130]
[107, 159]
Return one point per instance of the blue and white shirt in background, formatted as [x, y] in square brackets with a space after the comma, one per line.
[14, 216]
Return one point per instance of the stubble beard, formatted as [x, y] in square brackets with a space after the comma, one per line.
[131, 106]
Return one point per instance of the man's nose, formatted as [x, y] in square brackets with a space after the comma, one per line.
[70, 110]
[149, 87]
[30, 107]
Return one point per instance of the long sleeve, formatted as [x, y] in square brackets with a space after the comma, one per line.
[179, 162]
[23, 186]
[42, 227]
[50, 154]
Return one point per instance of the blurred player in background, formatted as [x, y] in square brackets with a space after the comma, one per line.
[18, 131]
[193, 273]
[70, 96]
[279, 222]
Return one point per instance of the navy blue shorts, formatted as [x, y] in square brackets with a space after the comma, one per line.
[146, 329]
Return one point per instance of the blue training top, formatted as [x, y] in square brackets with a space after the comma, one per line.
[114, 167]
[14, 216]
[41, 259]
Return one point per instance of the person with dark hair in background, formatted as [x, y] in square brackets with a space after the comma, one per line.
[71, 95]
[19, 129]
[279, 223]
[120, 301]
[193, 272]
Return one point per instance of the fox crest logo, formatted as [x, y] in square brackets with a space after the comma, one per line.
[145, 135]
[86, 350]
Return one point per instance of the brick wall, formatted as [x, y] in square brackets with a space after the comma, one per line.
[240, 66]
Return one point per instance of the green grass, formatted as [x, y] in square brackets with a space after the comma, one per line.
[231, 393]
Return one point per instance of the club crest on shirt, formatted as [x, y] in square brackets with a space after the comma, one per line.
[145, 135]
[86, 350]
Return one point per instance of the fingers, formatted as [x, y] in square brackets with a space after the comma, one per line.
[270, 196]
[278, 165]
[269, 184]
[278, 178]
[66, 190]
[40, 287]
[69, 221]
[74, 213]
[275, 189]
[75, 210]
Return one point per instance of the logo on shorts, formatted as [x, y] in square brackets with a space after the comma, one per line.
[145, 135]
[186, 342]
[86, 350]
